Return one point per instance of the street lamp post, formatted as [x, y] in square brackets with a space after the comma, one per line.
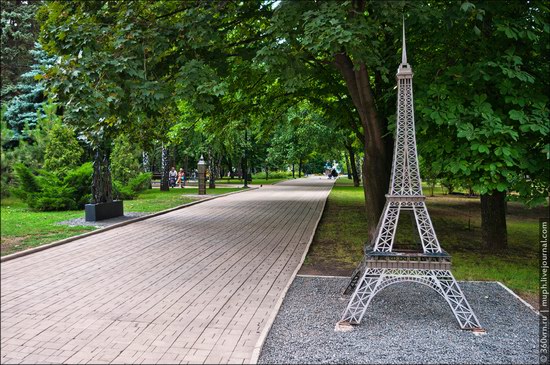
[202, 176]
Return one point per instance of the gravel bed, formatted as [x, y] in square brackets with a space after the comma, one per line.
[405, 323]
[103, 223]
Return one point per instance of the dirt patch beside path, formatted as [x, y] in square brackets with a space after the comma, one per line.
[8, 243]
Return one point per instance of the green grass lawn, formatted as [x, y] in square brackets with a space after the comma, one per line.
[338, 242]
[23, 228]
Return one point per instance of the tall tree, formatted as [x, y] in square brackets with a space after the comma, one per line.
[110, 75]
[24, 110]
[357, 39]
[19, 32]
[484, 110]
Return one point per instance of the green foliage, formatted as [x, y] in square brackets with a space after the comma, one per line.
[122, 192]
[54, 196]
[80, 179]
[216, 72]
[30, 151]
[134, 186]
[26, 181]
[18, 35]
[26, 109]
[5, 136]
[272, 175]
[46, 191]
[128, 182]
[303, 136]
[124, 160]
[140, 182]
[63, 151]
[484, 120]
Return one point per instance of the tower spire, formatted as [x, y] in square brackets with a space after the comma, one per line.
[404, 50]
[404, 69]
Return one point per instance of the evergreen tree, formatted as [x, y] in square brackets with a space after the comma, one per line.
[124, 160]
[26, 108]
[63, 152]
[5, 136]
[19, 32]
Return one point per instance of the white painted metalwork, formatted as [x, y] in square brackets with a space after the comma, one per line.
[442, 281]
[382, 266]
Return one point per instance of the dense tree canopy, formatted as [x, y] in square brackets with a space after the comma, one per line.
[237, 80]
[484, 119]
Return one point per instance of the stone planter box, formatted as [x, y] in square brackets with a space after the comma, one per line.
[100, 211]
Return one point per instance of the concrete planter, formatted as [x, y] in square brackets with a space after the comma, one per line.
[100, 211]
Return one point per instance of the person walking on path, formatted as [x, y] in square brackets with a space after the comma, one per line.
[181, 178]
[172, 176]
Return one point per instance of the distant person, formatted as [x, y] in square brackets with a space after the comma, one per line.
[181, 178]
[172, 176]
[334, 173]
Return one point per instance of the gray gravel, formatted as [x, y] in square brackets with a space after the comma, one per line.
[405, 323]
[103, 223]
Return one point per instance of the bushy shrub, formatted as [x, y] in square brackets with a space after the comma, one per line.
[134, 186]
[43, 192]
[54, 195]
[80, 179]
[26, 183]
[47, 191]
[4, 186]
[141, 182]
[122, 192]
[273, 175]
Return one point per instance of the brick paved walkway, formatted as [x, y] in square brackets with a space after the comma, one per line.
[200, 284]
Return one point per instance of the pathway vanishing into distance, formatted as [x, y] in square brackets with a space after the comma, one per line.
[197, 285]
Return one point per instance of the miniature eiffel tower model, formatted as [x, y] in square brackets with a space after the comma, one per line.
[381, 265]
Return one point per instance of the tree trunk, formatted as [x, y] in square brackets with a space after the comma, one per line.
[293, 170]
[165, 166]
[244, 171]
[102, 187]
[348, 166]
[377, 162]
[219, 167]
[212, 180]
[358, 170]
[493, 220]
[300, 169]
[186, 166]
[353, 164]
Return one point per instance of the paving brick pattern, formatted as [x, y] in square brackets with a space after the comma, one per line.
[197, 285]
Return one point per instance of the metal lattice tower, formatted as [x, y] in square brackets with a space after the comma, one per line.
[382, 265]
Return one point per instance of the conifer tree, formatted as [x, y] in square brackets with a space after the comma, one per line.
[25, 109]
[19, 32]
